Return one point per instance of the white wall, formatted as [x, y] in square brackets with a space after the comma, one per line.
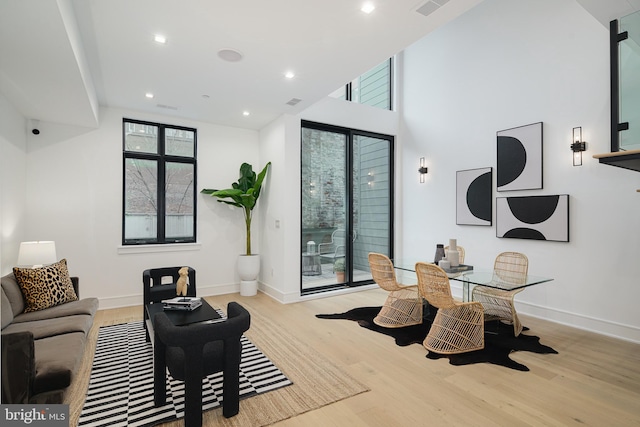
[280, 210]
[506, 64]
[74, 196]
[352, 115]
[13, 148]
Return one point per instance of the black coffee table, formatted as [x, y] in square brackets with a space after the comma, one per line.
[204, 313]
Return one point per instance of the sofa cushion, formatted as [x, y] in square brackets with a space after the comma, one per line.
[5, 311]
[84, 306]
[57, 359]
[51, 327]
[14, 294]
[45, 287]
[18, 367]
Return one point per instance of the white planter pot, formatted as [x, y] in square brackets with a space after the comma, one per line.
[248, 269]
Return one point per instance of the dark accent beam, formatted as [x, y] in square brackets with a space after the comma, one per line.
[622, 159]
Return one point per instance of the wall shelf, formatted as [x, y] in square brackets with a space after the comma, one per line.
[623, 159]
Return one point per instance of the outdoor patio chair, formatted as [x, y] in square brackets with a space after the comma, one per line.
[336, 247]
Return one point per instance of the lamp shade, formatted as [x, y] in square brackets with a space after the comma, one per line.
[37, 253]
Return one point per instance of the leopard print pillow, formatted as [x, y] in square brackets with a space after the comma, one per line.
[45, 287]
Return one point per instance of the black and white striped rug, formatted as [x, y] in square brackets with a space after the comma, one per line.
[120, 390]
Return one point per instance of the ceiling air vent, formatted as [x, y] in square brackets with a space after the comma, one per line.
[168, 107]
[431, 6]
[293, 101]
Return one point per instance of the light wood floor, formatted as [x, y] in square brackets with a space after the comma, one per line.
[593, 381]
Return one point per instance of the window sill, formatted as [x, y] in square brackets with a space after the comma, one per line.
[148, 249]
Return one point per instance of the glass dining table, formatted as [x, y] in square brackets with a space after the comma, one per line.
[471, 276]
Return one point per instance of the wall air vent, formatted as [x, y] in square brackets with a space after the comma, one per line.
[431, 6]
[168, 107]
[293, 101]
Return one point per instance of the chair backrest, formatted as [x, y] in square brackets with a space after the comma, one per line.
[153, 277]
[338, 237]
[511, 267]
[460, 251]
[383, 272]
[433, 285]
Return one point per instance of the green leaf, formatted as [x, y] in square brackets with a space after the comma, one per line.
[243, 194]
[230, 192]
[207, 191]
[230, 203]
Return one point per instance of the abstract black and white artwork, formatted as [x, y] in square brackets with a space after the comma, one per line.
[520, 158]
[473, 196]
[533, 217]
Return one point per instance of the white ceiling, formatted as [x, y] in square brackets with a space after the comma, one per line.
[61, 59]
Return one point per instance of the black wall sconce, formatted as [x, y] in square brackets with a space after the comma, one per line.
[422, 170]
[578, 146]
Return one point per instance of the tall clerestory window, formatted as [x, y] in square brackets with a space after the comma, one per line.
[372, 88]
[159, 176]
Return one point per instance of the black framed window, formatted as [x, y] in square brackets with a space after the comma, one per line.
[159, 183]
[372, 88]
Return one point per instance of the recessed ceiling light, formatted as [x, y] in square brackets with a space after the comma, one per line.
[158, 38]
[368, 7]
[230, 55]
[148, 95]
[289, 74]
[245, 113]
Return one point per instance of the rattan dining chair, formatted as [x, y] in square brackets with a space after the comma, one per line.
[403, 306]
[458, 327]
[511, 268]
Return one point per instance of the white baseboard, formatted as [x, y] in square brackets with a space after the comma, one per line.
[136, 299]
[574, 320]
[579, 321]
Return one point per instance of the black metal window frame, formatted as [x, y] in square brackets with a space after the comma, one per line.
[348, 88]
[162, 159]
[350, 134]
[616, 127]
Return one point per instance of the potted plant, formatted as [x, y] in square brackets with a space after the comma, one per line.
[339, 268]
[244, 194]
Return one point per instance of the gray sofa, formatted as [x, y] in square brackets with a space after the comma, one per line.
[41, 350]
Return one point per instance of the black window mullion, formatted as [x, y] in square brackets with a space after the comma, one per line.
[162, 184]
[349, 201]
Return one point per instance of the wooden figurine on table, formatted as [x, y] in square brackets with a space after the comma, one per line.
[181, 285]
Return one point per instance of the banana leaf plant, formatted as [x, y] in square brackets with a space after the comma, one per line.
[244, 194]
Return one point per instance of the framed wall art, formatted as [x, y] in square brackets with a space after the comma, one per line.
[519, 164]
[474, 196]
[533, 217]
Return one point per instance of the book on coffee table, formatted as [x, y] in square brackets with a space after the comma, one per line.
[182, 303]
[459, 268]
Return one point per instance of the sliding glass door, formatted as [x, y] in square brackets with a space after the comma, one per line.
[346, 196]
